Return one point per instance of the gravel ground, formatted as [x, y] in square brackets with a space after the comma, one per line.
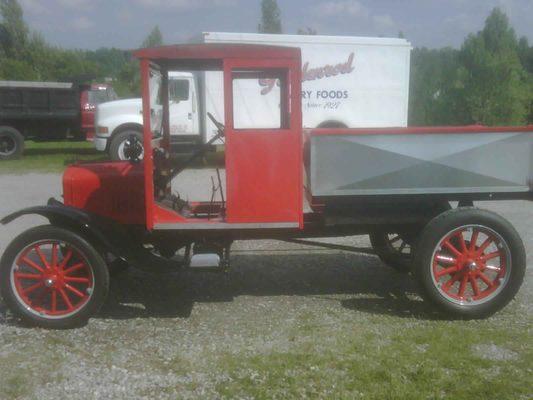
[170, 337]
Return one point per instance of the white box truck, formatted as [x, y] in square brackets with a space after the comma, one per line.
[346, 82]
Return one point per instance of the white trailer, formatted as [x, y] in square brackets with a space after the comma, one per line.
[346, 82]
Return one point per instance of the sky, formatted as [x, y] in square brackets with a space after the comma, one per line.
[90, 24]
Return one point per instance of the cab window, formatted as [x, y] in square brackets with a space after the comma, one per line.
[178, 90]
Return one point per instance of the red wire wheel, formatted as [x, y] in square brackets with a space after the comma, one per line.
[471, 265]
[52, 279]
[469, 262]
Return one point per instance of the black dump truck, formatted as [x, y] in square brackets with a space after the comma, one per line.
[47, 111]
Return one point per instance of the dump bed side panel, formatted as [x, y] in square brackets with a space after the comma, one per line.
[415, 162]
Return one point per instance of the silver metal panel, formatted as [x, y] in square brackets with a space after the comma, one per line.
[433, 163]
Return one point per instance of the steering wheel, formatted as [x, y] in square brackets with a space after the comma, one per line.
[220, 127]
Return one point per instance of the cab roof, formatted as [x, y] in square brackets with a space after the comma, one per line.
[187, 56]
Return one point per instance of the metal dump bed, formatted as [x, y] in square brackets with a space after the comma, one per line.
[477, 161]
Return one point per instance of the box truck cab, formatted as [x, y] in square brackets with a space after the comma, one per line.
[347, 82]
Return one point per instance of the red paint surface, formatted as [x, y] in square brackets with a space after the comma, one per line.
[113, 190]
[264, 166]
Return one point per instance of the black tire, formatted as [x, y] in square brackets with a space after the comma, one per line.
[84, 253]
[11, 143]
[508, 273]
[396, 249]
[116, 152]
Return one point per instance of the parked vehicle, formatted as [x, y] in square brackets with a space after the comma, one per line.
[346, 82]
[469, 262]
[46, 111]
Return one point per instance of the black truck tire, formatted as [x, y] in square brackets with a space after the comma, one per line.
[53, 278]
[469, 262]
[11, 143]
[396, 249]
[116, 148]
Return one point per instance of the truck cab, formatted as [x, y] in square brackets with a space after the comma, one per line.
[117, 120]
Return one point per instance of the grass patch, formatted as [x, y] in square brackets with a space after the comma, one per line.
[431, 362]
[55, 156]
[51, 156]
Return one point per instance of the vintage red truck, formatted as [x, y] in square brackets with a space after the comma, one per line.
[395, 184]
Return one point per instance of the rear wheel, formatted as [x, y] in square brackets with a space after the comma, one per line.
[53, 278]
[11, 143]
[118, 143]
[470, 262]
[394, 249]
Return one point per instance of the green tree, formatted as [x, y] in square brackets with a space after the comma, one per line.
[435, 88]
[14, 32]
[495, 82]
[270, 17]
[154, 38]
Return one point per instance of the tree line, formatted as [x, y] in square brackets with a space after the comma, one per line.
[488, 80]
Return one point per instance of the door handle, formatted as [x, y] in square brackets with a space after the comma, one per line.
[190, 116]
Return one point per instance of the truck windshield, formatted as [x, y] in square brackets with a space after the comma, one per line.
[100, 96]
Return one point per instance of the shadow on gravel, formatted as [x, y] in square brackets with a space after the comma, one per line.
[377, 289]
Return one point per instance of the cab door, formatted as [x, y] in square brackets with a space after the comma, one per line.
[263, 144]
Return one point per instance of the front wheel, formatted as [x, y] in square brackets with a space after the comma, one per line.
[470, 262]
[118, 144]
[53, 278]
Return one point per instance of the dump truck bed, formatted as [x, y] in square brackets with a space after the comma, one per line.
[448, 161]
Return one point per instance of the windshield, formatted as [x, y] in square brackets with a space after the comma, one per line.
[100, 96]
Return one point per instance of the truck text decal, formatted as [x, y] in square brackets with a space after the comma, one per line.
[312, 74]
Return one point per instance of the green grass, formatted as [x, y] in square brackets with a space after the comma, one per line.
[437, 360]
[51, 156]
[55, 156]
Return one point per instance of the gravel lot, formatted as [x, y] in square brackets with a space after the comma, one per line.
[172, 337]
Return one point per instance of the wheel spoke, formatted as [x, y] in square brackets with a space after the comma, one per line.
[54, 255]
[32, 264]
[73, 268]
[74, 290]
[446, 271]
[462, 286]
[474, 285]
[473, 239]
[22, 275]
[445, 259]
[32, 288]
[76, 279]
[451, 247]
[451, 281]
[484, 245]
[490, 256]
[485, 279]
[66, 259]
[66, 299]
[462, 242]
[42, 257]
